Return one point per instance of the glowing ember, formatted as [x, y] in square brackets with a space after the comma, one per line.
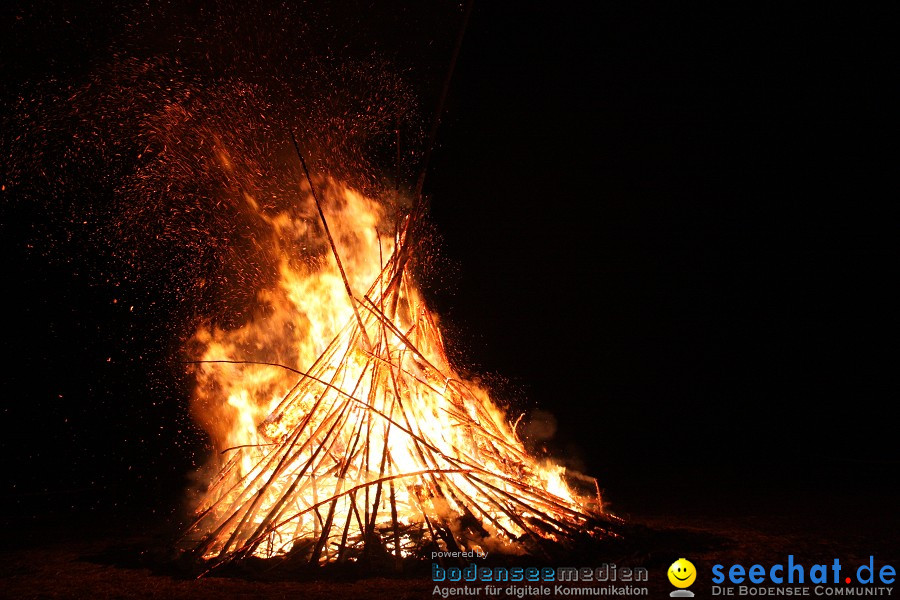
[344, 432]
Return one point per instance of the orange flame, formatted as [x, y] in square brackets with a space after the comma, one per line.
[331, 436]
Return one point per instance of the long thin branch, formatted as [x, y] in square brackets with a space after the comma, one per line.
[334, 250]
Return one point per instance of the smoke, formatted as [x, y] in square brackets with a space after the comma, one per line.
[539, 426]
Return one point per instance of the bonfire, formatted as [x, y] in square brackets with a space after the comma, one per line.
[362, 440]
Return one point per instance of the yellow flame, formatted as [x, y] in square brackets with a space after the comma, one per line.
[358, 433]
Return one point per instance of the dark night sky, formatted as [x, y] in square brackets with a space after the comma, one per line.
[682, 228]
[669, 228]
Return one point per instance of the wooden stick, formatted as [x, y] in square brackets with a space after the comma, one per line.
[334, 250]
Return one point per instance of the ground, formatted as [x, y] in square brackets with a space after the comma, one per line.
[123, 560]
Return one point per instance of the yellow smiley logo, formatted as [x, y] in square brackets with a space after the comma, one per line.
[682, 573]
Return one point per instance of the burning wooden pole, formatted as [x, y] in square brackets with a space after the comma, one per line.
[378, 448]
[381, 419]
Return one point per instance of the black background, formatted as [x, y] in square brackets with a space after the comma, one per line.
[668, 226]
